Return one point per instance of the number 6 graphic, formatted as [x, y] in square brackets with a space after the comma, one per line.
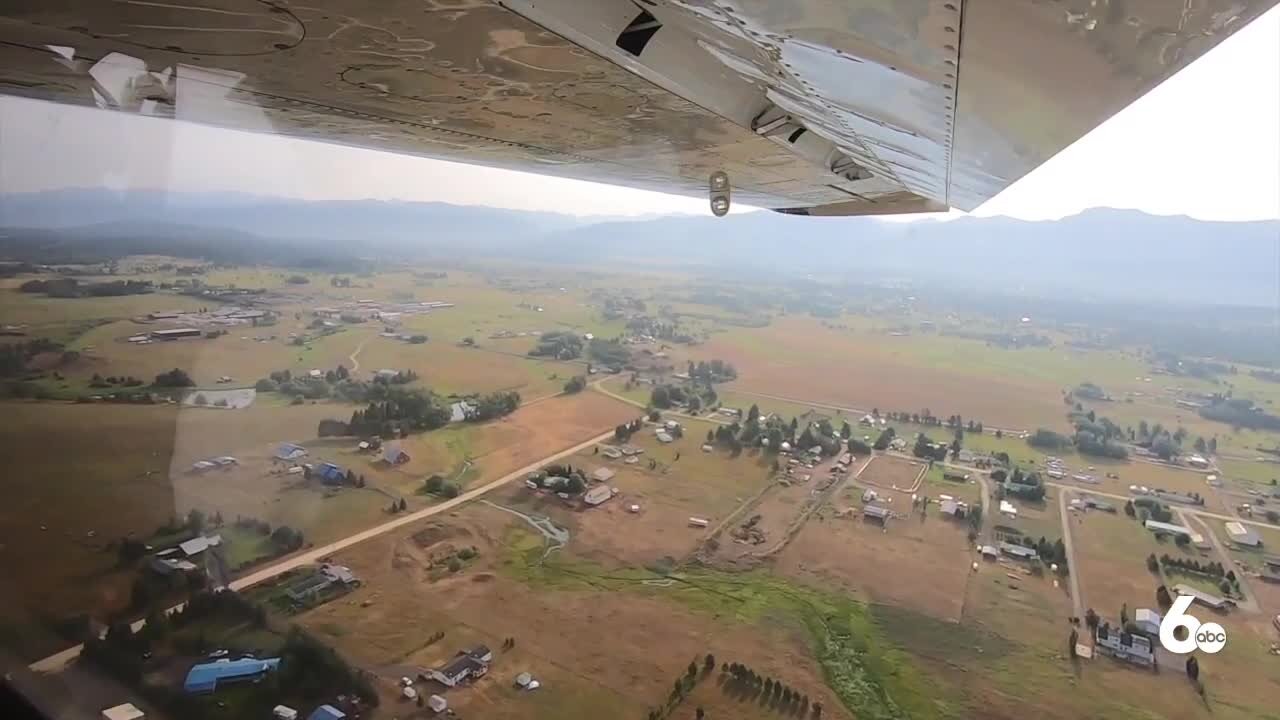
[1176, 618]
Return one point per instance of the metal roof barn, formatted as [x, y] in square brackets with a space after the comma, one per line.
[206, 677]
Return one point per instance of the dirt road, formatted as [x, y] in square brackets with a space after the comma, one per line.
[58, 661]
[354, 357]
[1073, 570]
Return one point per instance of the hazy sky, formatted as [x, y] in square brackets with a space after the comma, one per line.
[1204, 144]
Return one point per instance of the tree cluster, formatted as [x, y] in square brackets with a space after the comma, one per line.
[174, 378]
[492, 406]
[623, 433]
[401, 410]
[15, 356]
[928, 449]
[610, 353]
[1239, 412]
[714, 371]
[558, 344]
[576, 384]
[1029, 486]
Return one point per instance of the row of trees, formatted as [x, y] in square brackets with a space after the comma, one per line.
[712, 372]
[926, 417]
[746, 682]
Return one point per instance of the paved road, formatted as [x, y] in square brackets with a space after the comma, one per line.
[60, 660]
[1073, 569]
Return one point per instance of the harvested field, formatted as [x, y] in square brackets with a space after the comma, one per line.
[90, 474]
[533, 431]
[799, 359]
[919, 562]
[448, 368]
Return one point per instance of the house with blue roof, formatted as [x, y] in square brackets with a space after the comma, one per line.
[331, 474]
[326, 712]
[289, 452]
[206, 677]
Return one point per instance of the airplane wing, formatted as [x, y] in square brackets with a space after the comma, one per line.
[822, 107]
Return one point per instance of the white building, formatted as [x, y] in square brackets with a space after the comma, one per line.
[1241, 534]
[1147, 620]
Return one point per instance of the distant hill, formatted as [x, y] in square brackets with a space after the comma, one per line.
[1100, 254]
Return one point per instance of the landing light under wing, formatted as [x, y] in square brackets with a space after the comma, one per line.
[822, 107]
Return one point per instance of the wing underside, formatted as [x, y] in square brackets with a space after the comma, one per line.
[830, 107]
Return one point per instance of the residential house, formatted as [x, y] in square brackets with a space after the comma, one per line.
[602, 474]
[288, 452]
[206, 677]
[1007, 509]
[990, 552]
[331, 474]
[466, 665]
[1125, 646]
[437, 704]
[393, 454]
[197, 545]
[284, 712]
[663, 437]
[339, 574]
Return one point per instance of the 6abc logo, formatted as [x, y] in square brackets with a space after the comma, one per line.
[1207, 637]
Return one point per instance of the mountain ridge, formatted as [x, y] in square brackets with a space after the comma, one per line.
[1098, 254]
